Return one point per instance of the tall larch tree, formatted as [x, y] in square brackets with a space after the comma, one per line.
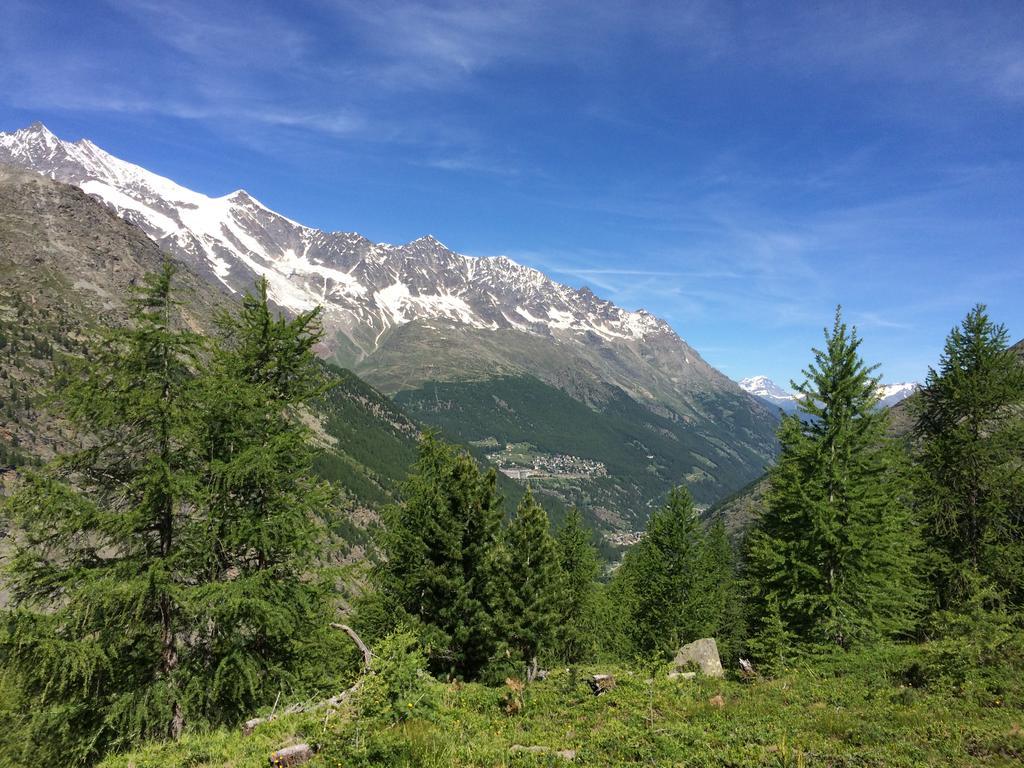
[530, 586]
[441, 544]
[835, 549]
[160, 576]
[576, 634]
[724, 606]
[261, 614]
[100, 574]
[970, 490]
[664, 583]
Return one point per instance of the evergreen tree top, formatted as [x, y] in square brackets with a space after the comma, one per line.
[838, 386]
[978, 375]
[276, 352]
[675, 524]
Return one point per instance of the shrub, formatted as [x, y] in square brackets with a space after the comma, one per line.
[397, 687]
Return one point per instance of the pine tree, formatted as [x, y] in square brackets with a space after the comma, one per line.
[770, 642]
[531, 584]
[441, 544]
[578, 559]
[613, 603]
[99, 575]
[724, 604]
[160, 576]
[665, 587]
[257, 540]
[835, 547]
[970, 490]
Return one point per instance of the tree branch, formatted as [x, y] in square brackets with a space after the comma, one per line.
[367, 656]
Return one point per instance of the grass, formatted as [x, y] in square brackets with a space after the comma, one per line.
[852, 710]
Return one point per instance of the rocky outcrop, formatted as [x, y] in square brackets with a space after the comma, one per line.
[704, 654]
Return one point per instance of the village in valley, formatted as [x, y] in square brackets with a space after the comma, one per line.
[522, 461]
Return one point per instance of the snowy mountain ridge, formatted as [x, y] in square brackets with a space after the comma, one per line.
[762, 386]
[766, 389]
[366, 288]
[890, 394]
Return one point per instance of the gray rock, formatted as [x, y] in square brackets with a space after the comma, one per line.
[297, 754]
[565, 754]
[703, 653]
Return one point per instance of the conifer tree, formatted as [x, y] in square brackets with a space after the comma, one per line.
[258, 541]
[613, 609]
[970, 490]
[531, 584]
[665, 585]
[100, 574]
[835, 547]
[441, 544]
[724, 606]
[160, 574]
[578, 559]
[770, 642]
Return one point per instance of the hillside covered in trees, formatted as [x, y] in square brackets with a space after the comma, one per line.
[170, 574]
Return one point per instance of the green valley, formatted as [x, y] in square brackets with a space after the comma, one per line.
[626, 455]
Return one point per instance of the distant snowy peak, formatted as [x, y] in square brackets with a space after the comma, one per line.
[762, 386]
[890, 394]
[766, 389]
[365, 288]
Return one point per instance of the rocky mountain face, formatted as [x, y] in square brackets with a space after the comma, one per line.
[408, 316]
[66, 263]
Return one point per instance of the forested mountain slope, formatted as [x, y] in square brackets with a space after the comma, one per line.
[615, 463]
[406, 317]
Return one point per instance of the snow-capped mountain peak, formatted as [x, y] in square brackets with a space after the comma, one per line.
[766, 389]
[365, 288]
[405, 317]
[762, 386]
[890, 394]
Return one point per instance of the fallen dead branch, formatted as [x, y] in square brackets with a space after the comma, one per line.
[333, 702]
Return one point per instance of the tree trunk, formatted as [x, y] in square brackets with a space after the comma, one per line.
[531, 671]
[169, 663]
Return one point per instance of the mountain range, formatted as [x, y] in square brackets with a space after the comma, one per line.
[449, 335]
[771, 393]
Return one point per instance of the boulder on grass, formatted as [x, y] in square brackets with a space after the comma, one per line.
[703, 653]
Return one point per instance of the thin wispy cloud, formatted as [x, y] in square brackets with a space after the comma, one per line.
[261, 38]
[875, 320]
[401, 47]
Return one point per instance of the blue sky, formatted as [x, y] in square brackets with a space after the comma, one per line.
[737, 168]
